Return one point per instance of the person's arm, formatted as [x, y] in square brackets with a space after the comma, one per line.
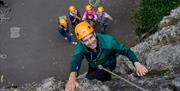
[77, 58]
[78, 15]
[122, 49]
[106, 15]
[60, 29]
[109, 17]
[73, 76]
[141, 70]
[72, 18]
[95, 16]
[84, 16]
[72, 83]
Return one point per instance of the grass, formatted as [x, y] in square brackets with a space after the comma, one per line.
[155, 73]
[150, 13]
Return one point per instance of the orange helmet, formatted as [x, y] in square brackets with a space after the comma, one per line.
[72, 8]
[88, 7]
[63, 22]
[83, 29]
[100, 9]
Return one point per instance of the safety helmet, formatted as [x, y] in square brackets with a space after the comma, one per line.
[83, 29]
[63, 22]
[72, 8]
[100, 9]
[88, 7]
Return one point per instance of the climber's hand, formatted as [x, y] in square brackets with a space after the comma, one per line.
[140, 69]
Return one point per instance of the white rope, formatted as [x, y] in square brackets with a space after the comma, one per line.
[101, 67]
[3, 13]
[94, 3]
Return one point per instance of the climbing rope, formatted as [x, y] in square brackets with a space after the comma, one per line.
[94, 3]
[107, 70]
[3, 14]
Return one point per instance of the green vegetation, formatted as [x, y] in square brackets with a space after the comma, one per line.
[155, 73]
[150, 13]
[172, 21]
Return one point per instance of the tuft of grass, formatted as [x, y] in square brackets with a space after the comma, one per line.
[155, 73]
[172, 21]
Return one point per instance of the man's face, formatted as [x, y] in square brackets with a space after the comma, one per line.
[90, 41]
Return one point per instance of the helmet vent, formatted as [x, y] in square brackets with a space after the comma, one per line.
[77, 34]
[89, 27]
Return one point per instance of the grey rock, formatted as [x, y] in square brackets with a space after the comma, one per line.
[47, 85]
[4, 90]
[176, 83]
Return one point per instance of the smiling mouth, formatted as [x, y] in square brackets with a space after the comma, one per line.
[92, 44]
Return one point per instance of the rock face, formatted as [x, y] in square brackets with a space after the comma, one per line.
[161, 49]
[160, 52]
